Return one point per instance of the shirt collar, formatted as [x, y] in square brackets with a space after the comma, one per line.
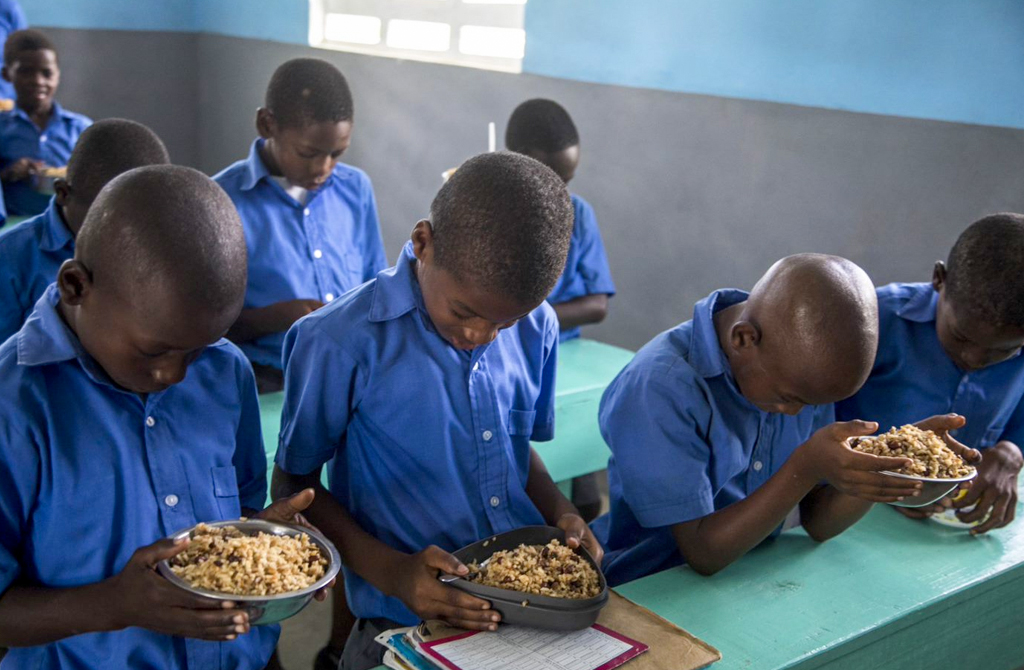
[920, 304]
[397, 291]
[255, 168]
[45, 338]
[706, 356]
[55, 233]
[57, 114]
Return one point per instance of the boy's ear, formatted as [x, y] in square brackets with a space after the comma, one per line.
[423, 240]
[62, 191]
[5, 73]
[744, 335]
[74, 281]
[266, 124]
[939, 276]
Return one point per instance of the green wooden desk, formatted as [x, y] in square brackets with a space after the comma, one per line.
[888, 593]
[585, 368]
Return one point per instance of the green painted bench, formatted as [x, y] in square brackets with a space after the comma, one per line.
[585, 368]
[890, 593]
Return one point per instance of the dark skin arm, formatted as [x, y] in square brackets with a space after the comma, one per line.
[714, 541]
[137, 597]
[557, 510]
[825, 512]
[582, 311]
[255, 323]
[412, 578]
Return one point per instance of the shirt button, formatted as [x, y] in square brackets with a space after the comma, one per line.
[171, 500]
[42, 138]
[495, 501]
[487, 438]
[318, 254]
[306, 211]
[150, 421]
[758, 465]
[476, 366]
[329, 297]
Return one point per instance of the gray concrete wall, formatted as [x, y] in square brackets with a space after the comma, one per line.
[692, 192]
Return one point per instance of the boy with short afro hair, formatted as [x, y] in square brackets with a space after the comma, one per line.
[543, 130]
[423, 389]
[38, 133]
[722, 427]
[310, 221]
[125, 417]
[954, 345]
[33, 251]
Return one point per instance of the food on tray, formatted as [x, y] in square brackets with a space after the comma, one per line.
[931, 457]
[225, 560]
[548, 570]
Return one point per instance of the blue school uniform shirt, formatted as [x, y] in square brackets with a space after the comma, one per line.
[430, 444]
[314, 251]
[31, 253]
[913, 378]
[685, 442]
[11, 18]
[89, 473]
[21, 138]
[586, 266]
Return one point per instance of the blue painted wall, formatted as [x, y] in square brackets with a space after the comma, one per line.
[277, 20]
[955, 60]
[952, 60]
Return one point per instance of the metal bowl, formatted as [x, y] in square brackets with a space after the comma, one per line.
[932, 488]
[529, 609]
[265, 610]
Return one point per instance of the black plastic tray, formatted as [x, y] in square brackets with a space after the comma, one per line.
[529, 609]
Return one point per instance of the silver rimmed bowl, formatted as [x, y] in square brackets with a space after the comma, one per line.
[265, 610]
[933, 489]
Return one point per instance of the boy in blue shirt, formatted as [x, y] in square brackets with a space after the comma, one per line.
[954, 346]
[542, 129]
[12, 18]
[423, 388]
[38, 133]
[310, 222]
[124, 417]
[33, 251]
[723, 426]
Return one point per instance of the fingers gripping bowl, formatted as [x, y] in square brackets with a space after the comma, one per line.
[939, 469]
[581, 592]
[271, 569]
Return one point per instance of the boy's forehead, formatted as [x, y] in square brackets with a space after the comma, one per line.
[34, 57]
[488, 304]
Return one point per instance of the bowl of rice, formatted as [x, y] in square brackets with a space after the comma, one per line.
[533, 579]
[935, 465]
[271, 569]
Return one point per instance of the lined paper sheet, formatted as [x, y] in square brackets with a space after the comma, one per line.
[515, 648]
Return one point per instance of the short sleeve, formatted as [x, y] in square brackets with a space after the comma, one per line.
[374, 259]
[544, 425]
[593, 261]
[19, 489]
[319, 391]
[652, 424]
[1014, 430]
[250, 460]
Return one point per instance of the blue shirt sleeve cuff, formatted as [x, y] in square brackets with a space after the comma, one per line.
[295, 464]
[543, 432]
[694, 507]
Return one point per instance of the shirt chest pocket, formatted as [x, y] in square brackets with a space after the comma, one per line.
[520, 422]
[225, 490]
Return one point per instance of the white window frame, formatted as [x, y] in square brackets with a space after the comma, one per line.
[456, 13]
